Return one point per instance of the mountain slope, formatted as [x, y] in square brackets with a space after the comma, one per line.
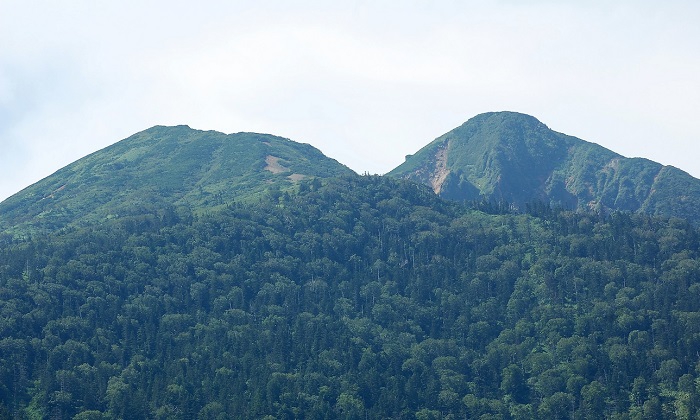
[512, 157]
[161, 168]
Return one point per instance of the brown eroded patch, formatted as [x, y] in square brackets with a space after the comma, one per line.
[440, 174]
[51, 195]
[274, 166]
[297, 177]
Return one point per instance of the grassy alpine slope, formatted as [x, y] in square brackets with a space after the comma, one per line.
[514, 158]
[163, 168]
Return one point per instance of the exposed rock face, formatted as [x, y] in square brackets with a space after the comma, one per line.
[440, 173]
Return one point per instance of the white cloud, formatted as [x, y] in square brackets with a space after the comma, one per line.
[366, 82]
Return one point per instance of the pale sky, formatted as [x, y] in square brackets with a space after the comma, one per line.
[366, 82]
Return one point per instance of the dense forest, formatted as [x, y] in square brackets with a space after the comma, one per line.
[355, 297]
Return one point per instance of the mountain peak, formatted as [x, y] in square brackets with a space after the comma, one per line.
[165, 167]
[490, 149]
[504, 126]
[503, 116]
[514, 158]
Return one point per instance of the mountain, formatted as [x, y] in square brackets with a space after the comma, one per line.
[514, 158]
[190, 274]
[161, 169]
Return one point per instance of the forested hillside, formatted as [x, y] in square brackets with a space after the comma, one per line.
[357, 297]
